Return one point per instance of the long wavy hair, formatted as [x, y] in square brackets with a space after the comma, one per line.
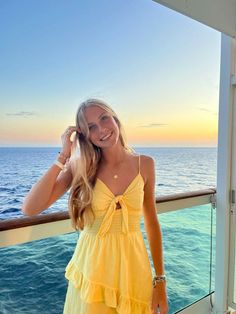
[84, 162]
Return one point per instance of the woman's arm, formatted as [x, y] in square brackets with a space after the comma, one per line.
[154, 235]
[53, 184]
[151, 222]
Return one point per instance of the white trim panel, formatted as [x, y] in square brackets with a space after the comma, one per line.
[35, 232]
[232, 274]
[223, 178]
[218, 14]
[202, 306]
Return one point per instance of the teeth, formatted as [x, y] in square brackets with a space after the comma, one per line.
[105, 137]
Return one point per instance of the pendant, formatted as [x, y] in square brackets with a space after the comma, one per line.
[115, 176]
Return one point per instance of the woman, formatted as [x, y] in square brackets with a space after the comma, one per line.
[110, 188]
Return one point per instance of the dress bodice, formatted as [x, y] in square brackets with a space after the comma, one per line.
[104, 204]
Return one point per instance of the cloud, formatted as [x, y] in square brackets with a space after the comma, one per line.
[206, 110]
[22, 114]
[152, 125]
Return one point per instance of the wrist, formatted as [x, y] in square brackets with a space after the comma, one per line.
[59, 164]
[157, 280]
[61, 160]
[62, 157]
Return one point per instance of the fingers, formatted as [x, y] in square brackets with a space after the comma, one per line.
[67, 134]
[158, 310]
[70, 130]
[155, 309]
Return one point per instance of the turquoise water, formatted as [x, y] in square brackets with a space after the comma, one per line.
[32, 274]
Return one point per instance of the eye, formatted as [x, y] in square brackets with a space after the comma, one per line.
[105, 117]
[92, 127]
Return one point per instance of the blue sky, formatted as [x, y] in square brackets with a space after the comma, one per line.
[158, 69]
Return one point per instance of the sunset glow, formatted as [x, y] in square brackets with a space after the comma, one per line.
[142, 58]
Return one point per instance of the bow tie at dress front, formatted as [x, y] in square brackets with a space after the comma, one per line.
[110, 271]
[107, 220]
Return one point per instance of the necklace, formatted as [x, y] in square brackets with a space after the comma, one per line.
[115, 176]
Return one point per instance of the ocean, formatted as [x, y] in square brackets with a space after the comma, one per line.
[32, 274]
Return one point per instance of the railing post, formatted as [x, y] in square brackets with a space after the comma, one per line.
[223, 178]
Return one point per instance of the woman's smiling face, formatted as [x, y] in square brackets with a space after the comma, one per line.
[103, 129]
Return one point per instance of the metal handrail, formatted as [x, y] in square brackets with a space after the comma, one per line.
[64, 215]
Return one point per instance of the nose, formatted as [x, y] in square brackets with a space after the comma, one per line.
[102, 130]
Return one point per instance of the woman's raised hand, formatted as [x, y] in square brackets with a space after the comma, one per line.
[66, 142]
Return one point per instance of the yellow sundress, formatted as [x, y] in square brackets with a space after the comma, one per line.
[110, 271]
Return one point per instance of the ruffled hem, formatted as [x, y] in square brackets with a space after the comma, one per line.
[95, 292]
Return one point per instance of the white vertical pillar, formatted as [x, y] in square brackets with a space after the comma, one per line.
[232, 249]
[224, 172]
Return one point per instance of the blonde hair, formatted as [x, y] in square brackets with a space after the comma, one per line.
[84, 167]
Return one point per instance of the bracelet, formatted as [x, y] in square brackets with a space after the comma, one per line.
[157, 279]
[59, 164]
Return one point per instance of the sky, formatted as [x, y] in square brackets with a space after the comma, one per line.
[158, 69]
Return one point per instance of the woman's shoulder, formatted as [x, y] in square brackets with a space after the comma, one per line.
[147, 166]
[147, 160]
